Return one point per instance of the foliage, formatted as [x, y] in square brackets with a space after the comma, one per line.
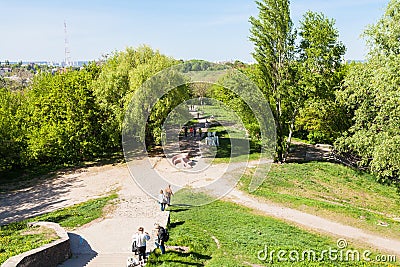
[18, 238]
[294, 77]
[322, 121]
[372, 95]
[121, 77]
[12, 141]
[199, 65]
[383, 37]
[273, 38]
[226, 94]
[79, 214]
[62, 118]
[321, 73]
[76, 115]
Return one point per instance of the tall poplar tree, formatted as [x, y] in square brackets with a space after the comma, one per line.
[273, 37]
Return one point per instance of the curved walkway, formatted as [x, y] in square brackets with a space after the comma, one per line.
[108, 242]
[315, 223]
[104, 242]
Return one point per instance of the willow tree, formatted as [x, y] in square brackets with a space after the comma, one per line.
[273, 37]
[372, 95]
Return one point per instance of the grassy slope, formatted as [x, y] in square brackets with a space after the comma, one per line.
[333, 191]
[16, 238]
[241, 234]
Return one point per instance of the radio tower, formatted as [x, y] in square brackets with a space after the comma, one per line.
[67, 60]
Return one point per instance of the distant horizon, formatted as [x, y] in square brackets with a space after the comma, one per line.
[81, 62]
[214, 31]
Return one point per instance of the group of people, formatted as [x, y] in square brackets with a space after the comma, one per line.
[192, 131]
[164, 198]
[139, 243]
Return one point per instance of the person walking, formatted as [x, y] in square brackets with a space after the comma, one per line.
[162, 237]
[162, 200]
[141, 238]
[168, 193]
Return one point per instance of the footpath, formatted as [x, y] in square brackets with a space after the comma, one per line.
[103, 242]
[108, 242]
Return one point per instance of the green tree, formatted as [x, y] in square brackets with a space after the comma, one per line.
[384, 36]
[273, 38]
[320, 74]
[63, 120]
[12, 134]
[372, 95]
[122, 75]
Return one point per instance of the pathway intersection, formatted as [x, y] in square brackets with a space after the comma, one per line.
[107, 242]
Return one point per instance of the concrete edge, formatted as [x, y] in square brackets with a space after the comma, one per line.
[47, 255]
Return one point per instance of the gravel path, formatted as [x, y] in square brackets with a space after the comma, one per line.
[107, 242]
[104, 242]
[315, 223]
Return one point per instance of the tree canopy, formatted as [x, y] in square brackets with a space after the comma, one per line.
[372, 95]
[293, 76]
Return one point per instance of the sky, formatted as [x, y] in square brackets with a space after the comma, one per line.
[213, 30]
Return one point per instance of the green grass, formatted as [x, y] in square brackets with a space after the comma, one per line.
[230, 119]
[16, 238]
[241, 234]
[333, 191]
[79, 214]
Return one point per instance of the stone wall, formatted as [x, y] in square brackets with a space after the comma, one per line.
[48, 255]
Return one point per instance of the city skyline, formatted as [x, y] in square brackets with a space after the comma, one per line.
[208, 30]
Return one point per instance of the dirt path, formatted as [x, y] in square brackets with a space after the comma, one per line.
[315, 223]
[63, 189]
[104, 242]
[107, 242]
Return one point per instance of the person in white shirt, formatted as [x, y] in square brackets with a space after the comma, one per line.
[162, 199]
[141, 238]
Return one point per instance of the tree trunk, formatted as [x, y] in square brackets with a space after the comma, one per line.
[289, 139]
[279, 131]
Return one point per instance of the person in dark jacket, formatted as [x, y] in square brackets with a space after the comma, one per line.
[161, 238]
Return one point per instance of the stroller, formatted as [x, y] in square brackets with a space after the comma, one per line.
[132, 261]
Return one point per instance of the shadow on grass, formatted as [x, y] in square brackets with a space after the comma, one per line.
[225, 149]
[176, 224]
[185, 259]
[178, 210]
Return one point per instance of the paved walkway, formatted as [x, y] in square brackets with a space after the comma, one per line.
[108, 242]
